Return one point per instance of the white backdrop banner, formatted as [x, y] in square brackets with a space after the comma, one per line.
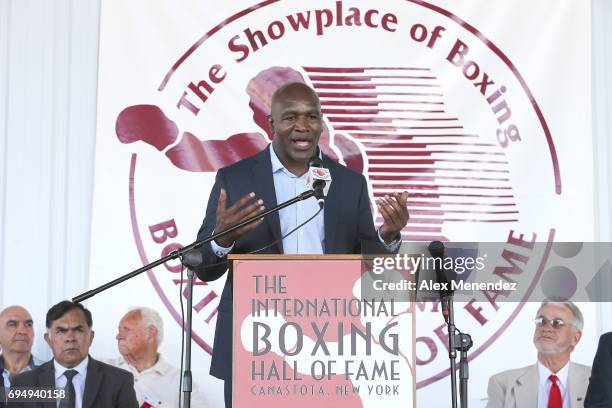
[481, 110]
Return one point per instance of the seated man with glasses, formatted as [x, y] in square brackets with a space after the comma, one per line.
[554, 381]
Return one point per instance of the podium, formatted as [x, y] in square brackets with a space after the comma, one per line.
[303, 335]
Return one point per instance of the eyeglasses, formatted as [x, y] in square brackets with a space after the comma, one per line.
[555, 323]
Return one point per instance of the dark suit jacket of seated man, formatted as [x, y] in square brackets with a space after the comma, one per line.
[105, 386]
[296, 125]
[95, 384]
[599, 392]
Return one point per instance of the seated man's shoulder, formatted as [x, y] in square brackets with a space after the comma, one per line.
[581, 368]
[167, 369]
[31, 377]
[111, 361]
[606, 338]
[27, 378]
[513, 374]
[114, 370]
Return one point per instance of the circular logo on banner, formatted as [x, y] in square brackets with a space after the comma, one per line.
[413, 97]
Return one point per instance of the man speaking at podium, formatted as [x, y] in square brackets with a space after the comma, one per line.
[275, 175]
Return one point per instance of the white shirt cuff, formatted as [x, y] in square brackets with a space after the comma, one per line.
[393, 245]
[220, 251]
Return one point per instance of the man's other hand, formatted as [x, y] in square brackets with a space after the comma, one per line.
[395, 214]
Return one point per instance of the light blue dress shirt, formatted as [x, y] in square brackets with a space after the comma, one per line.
[310, 238]
[34, 362]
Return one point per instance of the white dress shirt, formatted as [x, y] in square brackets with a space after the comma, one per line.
[159, 384]
[78, 380]
[545, 384]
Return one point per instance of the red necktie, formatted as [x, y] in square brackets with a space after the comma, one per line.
[554, 398]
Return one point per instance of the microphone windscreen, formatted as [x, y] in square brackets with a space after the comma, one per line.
[315, 162]
[436, 249]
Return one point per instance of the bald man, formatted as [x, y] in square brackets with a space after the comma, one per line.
[276, 174]
[16, 337]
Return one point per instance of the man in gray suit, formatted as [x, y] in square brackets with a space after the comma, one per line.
[554, 381]
[87, 383]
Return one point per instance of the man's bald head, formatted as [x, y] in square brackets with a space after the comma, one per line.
[16, 330]
[13, 309]
[292, 91]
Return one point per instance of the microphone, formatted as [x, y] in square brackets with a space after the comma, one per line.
[436, 250]
[319, 179]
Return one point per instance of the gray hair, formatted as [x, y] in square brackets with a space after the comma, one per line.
[150, 317]
[578, 321]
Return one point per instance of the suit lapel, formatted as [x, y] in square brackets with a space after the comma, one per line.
[577, 384]
[92, 382]
[330, 216]
[46, 378]
[46, 375]
[264, 186]
[526, 387]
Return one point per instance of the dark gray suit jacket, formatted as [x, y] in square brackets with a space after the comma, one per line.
[599, 393]
[348, 224]
[105, 386]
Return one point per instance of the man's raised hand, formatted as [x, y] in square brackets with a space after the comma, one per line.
[248, 206]
[395, 214]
